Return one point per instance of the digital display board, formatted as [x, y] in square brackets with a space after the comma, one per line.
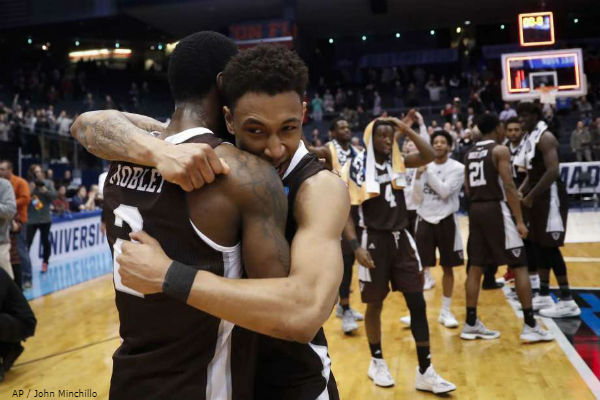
[536, 29]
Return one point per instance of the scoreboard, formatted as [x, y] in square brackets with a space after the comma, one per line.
[536, 29]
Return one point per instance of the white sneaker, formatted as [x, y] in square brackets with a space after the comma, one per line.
[431, 381]
[535, 334]
[348, 322]
[541, 302]
[429, 281]
[562, 309]
[339, 313]
[478, 331]
[405, 320]
[379, 373]
[447, 319]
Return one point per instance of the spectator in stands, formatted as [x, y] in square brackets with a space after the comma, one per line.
[355, 141]
[109, 104]
[89, 104]
[507, 113]
[4, 128]
[470, 117]
[434, 90]
[17, 322]
[585, 110]
[50, 176]
[317, 108]
[64, 123]
[23, 197]
[581, 142]
[463, 145]
[447, 112]
[67, 178]
[8, 210]
[412, 96]
[351, 116]
[39, 217]
[377, 109]
[328, 103]
[476, 104]
[61, 205]
[79, 201]
[595, 133]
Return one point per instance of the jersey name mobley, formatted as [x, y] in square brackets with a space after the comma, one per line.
[142, 179]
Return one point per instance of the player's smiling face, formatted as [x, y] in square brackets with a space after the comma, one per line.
[383, 138]
[528, 120]
[267, 126]
[440, 146]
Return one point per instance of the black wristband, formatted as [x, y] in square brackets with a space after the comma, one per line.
[354, 244]
[178, 281]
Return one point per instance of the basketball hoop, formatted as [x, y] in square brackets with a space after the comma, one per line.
[547, 94]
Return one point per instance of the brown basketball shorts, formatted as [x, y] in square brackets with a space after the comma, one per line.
[493, 236]
[445, 236]
[396, 263]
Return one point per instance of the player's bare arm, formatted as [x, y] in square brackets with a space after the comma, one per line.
[362, 255]
[501, 156]
[547, 145]
[117, 136]
[307, 295]
[425, 154]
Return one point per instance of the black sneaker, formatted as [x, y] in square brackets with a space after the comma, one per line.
[11, 356]
[492, 285]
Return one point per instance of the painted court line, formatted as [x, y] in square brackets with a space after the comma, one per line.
[580, 366]
[583, 259]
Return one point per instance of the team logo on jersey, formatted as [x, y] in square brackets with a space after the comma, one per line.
[372, 246]
[555, 235]
[516, 252]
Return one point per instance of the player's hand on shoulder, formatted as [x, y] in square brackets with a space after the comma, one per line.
[143, 264]
[190, 165]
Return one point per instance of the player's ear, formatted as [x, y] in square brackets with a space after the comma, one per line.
[228, 119]
[220, 82]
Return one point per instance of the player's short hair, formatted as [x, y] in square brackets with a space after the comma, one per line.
[266, 68]
[512, 120]
[380, 122]
[530, 108]
[443, 133]
[487, 123]
[195, 63]
[334, 123]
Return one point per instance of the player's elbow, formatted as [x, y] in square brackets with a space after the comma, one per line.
[305, 325]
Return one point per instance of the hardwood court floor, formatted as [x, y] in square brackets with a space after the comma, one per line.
[78, 332]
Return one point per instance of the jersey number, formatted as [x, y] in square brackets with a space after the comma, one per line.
[476, 175]
[389, 196]
[132, 217]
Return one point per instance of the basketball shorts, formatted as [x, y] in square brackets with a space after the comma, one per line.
[445, 236]
[412, 221]
[547, 217]
[493, 236]
[396, 263]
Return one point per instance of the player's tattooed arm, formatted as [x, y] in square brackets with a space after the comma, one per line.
[263, 205]
[117, 136]
[111, 135]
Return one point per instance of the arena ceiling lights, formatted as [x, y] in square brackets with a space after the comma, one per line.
[100, 54]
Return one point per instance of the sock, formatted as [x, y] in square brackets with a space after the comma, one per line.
[446, 301]
[471, 315]
[345, 307]
[528, 316]
[565, 292]
[535, 283]
[544, 288]
[376, 350]
[424, 358]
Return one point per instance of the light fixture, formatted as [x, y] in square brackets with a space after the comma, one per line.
[117, 45]
[160, 46]
[467, 22]
[458, 30]
[44, 47]
[432, 32]
[77, 43]
[576, 20]
[364, 38]
[397, 35]
[29, 41]
[330, 40]
[502, 27]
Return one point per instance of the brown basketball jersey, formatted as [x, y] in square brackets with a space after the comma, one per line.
[386, 212]
[481, 173]
[291, 370]
[169, 350]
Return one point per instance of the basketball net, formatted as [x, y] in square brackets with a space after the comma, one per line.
[547, 94]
